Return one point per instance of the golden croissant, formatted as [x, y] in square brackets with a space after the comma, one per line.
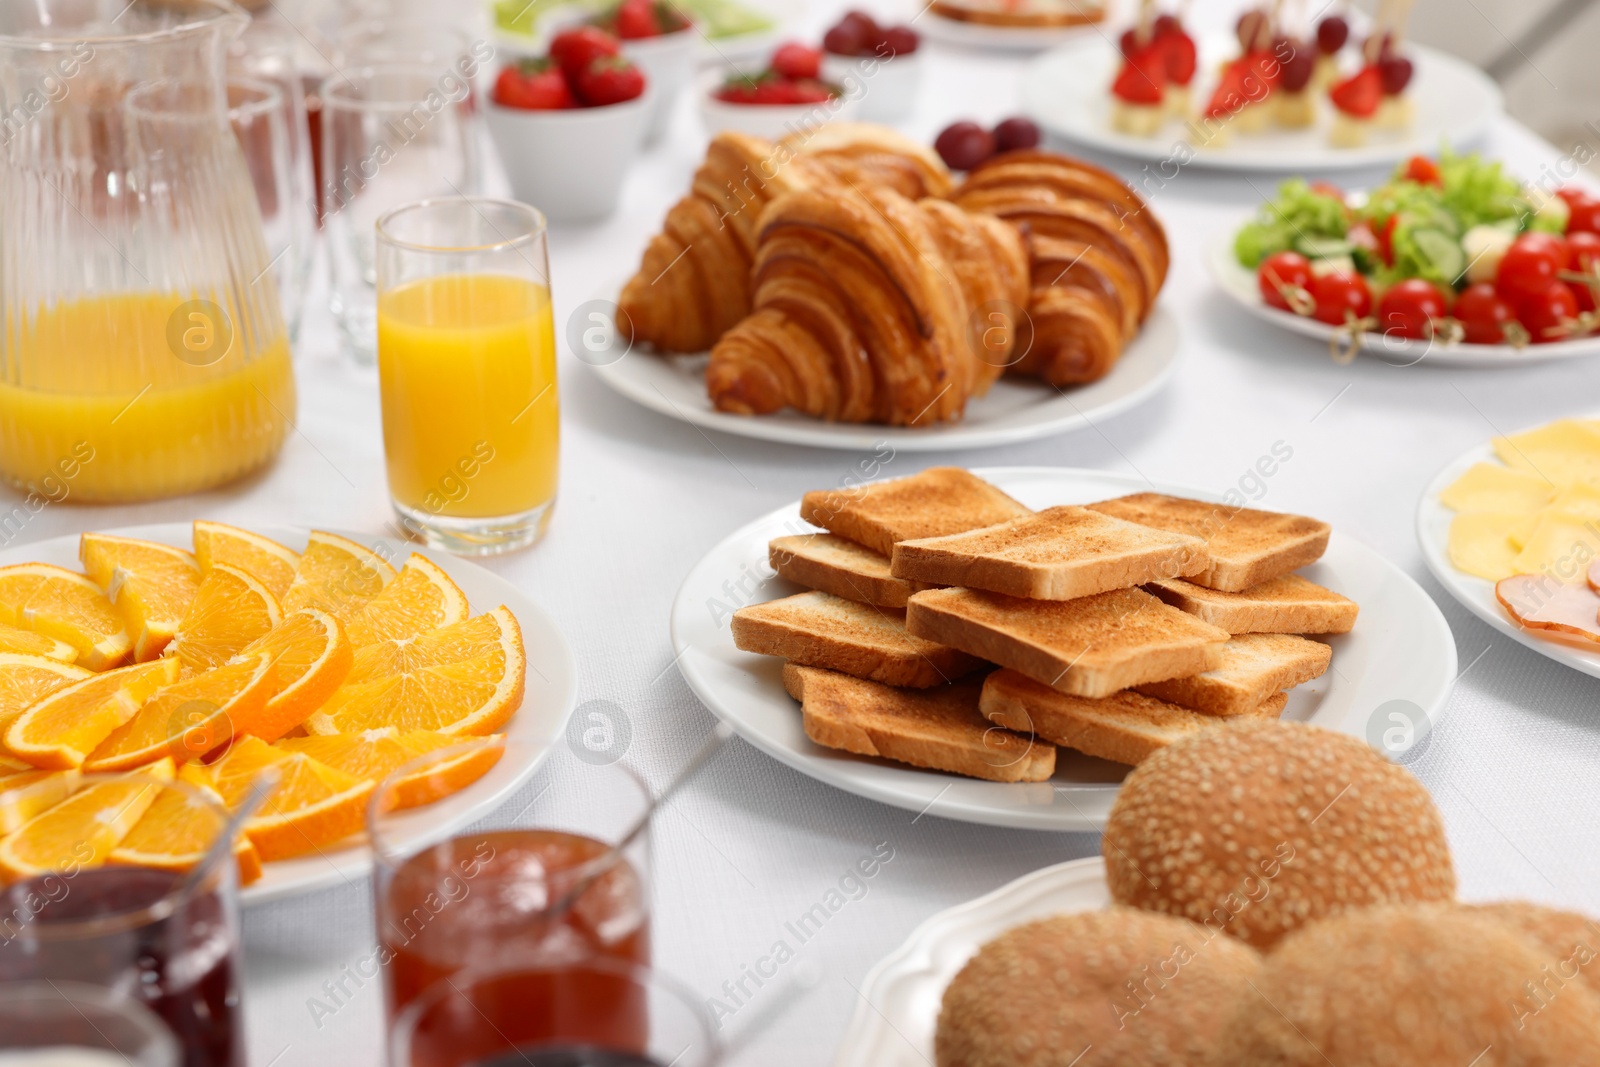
[694, 282]
[869, 307]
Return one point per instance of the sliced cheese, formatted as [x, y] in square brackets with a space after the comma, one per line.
[1563, 452]
[1522, 529]
[1480, 543]
[1560, 545]
[1495, 487]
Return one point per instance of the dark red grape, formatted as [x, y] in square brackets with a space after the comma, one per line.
[898, 41]
[1332, 33]
[845, 39]
[1396, 74]
[1297, 68]
[1016, 133]
[964, 145]
[1251, 26]
[1165, 25]
[869, 25]
[1128, 43]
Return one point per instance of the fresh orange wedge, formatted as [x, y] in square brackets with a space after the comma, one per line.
[179, 828]
[59, 731]
[26, 791]
[82, 830]
[230, 610]
[421, 598]
[151, 584]
[190, 718]
[311, 656]
[260, 557]
[56, 602]
[312, 807]
[32, 644]
[462, 679]
[24, 680]
[376, 754]
[336, 575]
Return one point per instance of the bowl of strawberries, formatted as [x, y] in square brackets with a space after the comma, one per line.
[790, 94]
[567, 124]
[885, 60]
[656, 35]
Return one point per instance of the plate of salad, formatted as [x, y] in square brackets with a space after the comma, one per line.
[1452, 261]
[729, 31]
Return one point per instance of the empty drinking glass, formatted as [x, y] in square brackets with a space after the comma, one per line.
[256, 111]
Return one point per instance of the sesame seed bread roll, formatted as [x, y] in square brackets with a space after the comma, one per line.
[1568, 942]
[1413, 985]
[1113, 988]
[1258, 827]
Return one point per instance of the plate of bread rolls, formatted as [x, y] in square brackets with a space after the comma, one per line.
[838, 288]
[1001, 646]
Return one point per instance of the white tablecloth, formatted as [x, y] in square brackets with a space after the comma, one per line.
[752, 845]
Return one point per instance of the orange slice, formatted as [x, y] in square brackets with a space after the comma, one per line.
[56, 602]
[151, 584]
[312, 807]
[82, 830]
[178, 830]
[311, 656]
[462, 679]
[336, 575]
[26, 791]
[190, 718]
[60, 730]
[260, 557]
[376, 754]
[230, 610]
[32, 644]
[24, 680]
[421, 598]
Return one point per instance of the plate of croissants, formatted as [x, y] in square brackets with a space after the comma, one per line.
[838, 289]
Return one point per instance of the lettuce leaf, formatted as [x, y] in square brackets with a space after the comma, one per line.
[1299, 211]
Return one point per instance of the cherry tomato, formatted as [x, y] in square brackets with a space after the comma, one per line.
[1573, 193]
[1583, 251]
[1483, 314]
[1544, 311]
[1582, 295]
[1530, 265]
[1339, 294]
[1280, 272]
[1584, 216]
[1325, 188]
[1386, 239]
[1410, 309]
[1424, 171]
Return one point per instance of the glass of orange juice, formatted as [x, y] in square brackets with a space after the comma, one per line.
[467, 372]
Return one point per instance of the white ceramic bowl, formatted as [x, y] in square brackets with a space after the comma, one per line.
[888, 87]
[768, 120]
[570, 164]
[668, 64]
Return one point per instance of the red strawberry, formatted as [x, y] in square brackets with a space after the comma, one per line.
[573, 50]
[609, 80]
[811, 91]
[535, 85]
[1233, 90]
[1143, 77]
[1360, 94]
[636, 19]
[795, 60]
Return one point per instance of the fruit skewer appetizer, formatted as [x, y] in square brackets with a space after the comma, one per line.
[1375, 94]
[1242, 100]
[1332, 34]
[1158, 65]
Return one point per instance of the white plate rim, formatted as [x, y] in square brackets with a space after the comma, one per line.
[551, 682]
[967, 34]
[878, 1034]
[1471, 129]
[892, 784]
[1153, 355]
[1477, 594]
[1239, 283]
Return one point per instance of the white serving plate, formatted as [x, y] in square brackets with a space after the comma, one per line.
[896, 1014]
[1477, 594]
[1068, 92]
[540, 722]
[1015, 409]
[1239, 282]
[936, 27]
[1401, 649]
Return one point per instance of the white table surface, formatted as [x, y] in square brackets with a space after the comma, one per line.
[752, 845]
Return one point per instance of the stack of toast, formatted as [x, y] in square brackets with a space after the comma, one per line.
[950, 627]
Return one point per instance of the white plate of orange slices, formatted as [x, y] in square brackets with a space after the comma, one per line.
[332, 658]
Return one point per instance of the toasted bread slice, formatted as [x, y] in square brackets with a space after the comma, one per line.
[1254, 666]
[1124, 727]
[1247, 547]
[1286, 605]
[1058, 554]
[1090, 647]
[822, 630]
[935, 728]
[939, 501]
[832, 564]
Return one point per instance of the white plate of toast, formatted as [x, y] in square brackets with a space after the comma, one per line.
[1115, 634]
[1015, 409]
[1068, 92]
[894, 1022]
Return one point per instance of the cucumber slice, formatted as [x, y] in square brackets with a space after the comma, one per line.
[1323, 247]
[1442, 251]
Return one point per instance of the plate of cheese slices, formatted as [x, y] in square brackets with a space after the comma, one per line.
[1000, 646]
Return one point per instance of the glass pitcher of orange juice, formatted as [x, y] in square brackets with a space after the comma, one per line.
[143, 351]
